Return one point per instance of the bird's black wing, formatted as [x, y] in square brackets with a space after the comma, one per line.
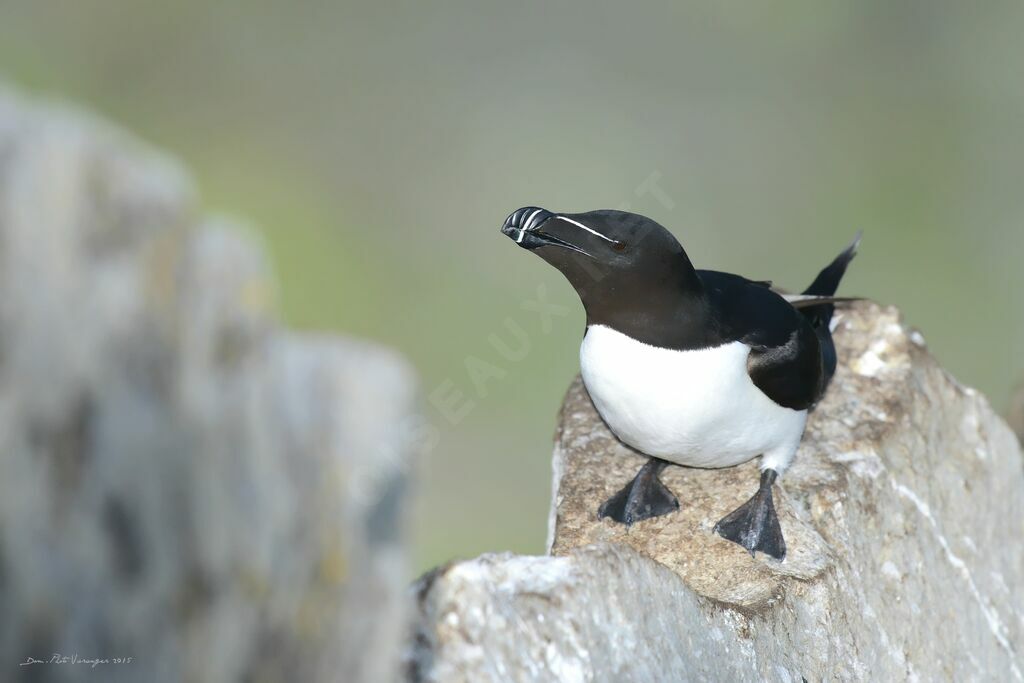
[785, 359]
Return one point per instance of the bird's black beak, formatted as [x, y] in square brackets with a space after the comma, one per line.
[526, 227]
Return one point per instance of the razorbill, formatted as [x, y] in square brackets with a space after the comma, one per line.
[692, 367]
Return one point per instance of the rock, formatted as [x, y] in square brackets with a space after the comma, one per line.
[603, 613]
[182, 481]
[903, 513]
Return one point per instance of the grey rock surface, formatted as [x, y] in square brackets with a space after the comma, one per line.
[602, 613]
[903, 513]
[182, 481]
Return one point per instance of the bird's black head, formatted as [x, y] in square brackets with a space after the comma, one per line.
[628, 270]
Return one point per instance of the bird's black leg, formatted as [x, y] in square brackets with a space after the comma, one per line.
[642, 498]
[754, 525]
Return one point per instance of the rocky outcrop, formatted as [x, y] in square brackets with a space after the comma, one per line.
[903, 514]
[182, 481]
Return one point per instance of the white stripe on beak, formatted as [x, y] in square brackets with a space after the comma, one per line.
[526, 223]
[590, 230]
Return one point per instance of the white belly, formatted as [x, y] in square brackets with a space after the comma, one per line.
[697, 408]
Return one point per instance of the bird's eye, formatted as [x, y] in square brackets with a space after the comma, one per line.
[619, 246]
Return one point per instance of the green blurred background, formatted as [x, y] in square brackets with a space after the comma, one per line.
[378, 147]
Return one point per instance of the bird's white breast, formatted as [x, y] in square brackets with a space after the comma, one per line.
[697, 408]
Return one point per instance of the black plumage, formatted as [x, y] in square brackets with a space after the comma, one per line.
[635, 280]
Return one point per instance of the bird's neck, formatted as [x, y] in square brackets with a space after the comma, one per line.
[671, 313]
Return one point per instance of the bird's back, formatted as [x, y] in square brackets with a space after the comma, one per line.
[786, 360]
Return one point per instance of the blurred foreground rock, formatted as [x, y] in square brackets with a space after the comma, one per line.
[182, 482]
[903, 513]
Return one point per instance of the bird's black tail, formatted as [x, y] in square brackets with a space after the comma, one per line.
[828, 279]
[821, 315]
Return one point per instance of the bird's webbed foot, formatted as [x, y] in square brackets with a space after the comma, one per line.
[642, 498]
[754, 525]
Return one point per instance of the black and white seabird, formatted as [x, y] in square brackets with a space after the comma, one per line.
[692, 367]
